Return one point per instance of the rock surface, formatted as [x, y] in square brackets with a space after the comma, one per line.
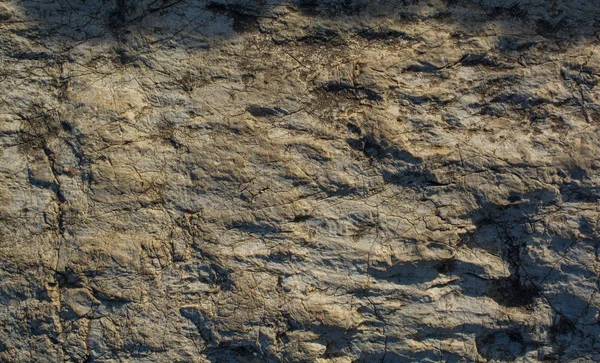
[309, 181]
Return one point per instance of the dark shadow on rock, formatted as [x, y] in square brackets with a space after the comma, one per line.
[511, 292]
[572, 307]
[244, 16]
[379, 148]
[236, 352]
[508, 222]
[397, 166]
[411, 176]
[504, 344]
[261, 111]
[577, 192]
[350, 91]
[501, 230]
[508, 291]
[501, 345]
[407, 273]
[540, 22]
[561, 333]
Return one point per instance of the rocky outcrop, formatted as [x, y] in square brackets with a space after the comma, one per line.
[308, 181]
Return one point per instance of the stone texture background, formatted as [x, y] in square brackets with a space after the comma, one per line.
[309, 181]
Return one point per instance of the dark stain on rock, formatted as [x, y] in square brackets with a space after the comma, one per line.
[245, 19]
[510, 292]
[501, 345]
[260, 111]
[351, 91]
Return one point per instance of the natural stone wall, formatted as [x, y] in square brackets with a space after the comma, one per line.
[309, 181]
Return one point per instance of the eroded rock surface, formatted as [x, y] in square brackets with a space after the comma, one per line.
[309, 181]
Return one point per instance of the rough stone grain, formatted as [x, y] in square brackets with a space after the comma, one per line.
[303, 181]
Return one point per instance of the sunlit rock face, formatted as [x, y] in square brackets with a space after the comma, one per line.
[308, 181]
